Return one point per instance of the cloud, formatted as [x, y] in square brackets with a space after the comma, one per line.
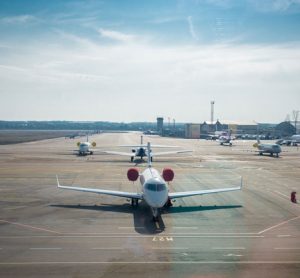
[115, 35]
[19, 19]
[191, 28]
[113, 77]
[275, 5]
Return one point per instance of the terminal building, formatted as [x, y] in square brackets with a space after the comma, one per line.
[197, 131]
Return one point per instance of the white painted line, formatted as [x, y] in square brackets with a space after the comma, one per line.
[107, 248]
[169, 248]
[229, 248]
[132, 227]
[233, 255]
[140, 236]
[281, 194]
[31, 227]
[283, 235]
[188, 228]
[280, 224]
[45, 248]
[152, 262]
[287, 248]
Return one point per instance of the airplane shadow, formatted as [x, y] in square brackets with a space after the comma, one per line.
[142, 214]
[181, 209]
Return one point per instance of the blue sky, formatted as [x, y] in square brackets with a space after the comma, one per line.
[136, 60]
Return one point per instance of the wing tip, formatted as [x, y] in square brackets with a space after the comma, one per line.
[58, 185]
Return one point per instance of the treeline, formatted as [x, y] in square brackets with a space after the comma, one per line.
[72, 125]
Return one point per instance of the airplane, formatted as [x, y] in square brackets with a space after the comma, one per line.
[267, 148]
[84, 148]
[226, 139]
[141, 151]
[154, 188]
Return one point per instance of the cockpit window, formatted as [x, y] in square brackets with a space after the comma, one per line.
[155, 187]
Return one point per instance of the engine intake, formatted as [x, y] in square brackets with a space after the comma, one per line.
[168, 174]
[133, 174]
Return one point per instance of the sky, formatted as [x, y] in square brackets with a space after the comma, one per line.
[131, 61]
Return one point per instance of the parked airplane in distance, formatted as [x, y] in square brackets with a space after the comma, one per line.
[267, 148]
[141, 151]
[226, 139]
[154, 188]
[84, 148]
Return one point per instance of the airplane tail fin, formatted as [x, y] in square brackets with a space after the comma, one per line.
[87, 137]
[149, 154]
[141, 140]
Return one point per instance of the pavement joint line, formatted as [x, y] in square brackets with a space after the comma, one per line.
[29, 226]
[283, 235]
[151, 262]
[287, 248]
[280, 224]
[281, 194]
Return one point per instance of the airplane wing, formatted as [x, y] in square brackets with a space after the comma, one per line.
[119, 153]
[145, 146]
[102, 191]
[202, 192]
[171, 152]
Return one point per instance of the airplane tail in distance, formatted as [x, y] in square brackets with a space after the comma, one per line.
[141, 140]
[149, 155]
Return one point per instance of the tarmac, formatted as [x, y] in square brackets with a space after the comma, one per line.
[49, 232]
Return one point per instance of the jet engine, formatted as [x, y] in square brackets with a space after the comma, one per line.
[133, 174]
[168, 174]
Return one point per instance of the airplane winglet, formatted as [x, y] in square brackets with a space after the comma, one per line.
[58, 185]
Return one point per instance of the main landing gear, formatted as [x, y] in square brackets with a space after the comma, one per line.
[134, 202]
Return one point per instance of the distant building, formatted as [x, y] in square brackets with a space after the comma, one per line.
[284, 129]
[192, 131]
[160, 125]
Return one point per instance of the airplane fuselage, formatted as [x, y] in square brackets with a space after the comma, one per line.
[269, 148]
[140, 152]
[84, 148]
[155, 190]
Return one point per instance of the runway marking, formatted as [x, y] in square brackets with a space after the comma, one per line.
[132, 227]
[280, 224]
[287, 248]
[45, 248]
[233, 255]
[108, 248]
[283, 235]
[169, 248]
[279, 194]
[229, 248]
[153, 262]
[136, 236]
[192, 228]
[28, 226]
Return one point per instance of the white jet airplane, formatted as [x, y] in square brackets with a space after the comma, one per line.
[141, 151]
[154, 188]
[267, 148]
[84, 148]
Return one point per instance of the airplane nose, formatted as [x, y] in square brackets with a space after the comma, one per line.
[157, 199]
